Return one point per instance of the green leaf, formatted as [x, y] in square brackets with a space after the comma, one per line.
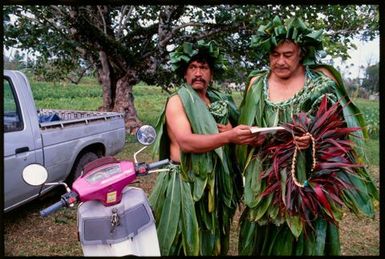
[295, 224]
[282, 242]
[211, 194]
[199, 188]
[252, 184]
[262, 207]
[309, 245]
[188, 48]
[283, 174]
[332, 245]
[358, 198]
[247, 236]
[207, 245]
[168, 223]
[273, 212]
[190, 228]
[320, 233]
[158, 193]
[299, 247]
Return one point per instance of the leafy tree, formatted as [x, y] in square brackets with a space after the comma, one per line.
[16, 62]
[371, 81]
[127, 44]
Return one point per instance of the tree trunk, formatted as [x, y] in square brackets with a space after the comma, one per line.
[124, 102]
[104, 75]
[117, 93]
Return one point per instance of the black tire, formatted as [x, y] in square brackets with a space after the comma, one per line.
[83, 160]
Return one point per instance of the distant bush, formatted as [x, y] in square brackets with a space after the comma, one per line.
[371, 111]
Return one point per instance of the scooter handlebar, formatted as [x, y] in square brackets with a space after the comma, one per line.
[54, 207]
[157, 164]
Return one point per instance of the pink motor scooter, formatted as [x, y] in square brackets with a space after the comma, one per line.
[113, 218]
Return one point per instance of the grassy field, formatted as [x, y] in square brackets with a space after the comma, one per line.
[27, 234]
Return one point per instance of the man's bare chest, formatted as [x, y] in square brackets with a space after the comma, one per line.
[282, 92]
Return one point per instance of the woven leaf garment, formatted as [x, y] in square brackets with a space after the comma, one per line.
[265, 230]
[210, 181]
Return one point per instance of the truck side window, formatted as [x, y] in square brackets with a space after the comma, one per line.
[11, 117]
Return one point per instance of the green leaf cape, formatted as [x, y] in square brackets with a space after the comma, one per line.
[267, 228]
[195, 202]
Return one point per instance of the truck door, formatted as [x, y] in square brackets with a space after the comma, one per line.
[19, 146]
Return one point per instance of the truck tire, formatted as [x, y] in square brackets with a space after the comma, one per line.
[83, 160]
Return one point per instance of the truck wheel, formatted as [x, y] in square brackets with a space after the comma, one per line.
[84, 159]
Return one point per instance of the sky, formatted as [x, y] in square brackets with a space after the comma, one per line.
[367, 53]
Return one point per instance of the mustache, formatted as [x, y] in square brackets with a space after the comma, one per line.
[280, 67]
[198, 79]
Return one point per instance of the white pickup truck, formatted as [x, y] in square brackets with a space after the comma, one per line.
[62, 141]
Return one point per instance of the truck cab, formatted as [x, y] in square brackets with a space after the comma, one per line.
[22, 144]
[63, 146]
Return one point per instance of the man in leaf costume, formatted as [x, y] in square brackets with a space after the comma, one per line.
[195, 201]
[298, 180]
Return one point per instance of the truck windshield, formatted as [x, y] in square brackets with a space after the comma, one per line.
[12, 117]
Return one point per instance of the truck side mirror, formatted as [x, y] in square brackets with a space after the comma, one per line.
[146, 135]
[35, 174]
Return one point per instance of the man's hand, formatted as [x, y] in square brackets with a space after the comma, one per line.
[302, 142]
[259, 139]
[223, 128]
[241, 134]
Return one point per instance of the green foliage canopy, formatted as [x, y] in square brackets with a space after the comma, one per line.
[140, 37]
[131, 43]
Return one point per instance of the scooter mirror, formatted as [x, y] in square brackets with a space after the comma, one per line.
[35, 174]
[146, 135]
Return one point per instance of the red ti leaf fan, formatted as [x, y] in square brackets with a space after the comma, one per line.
[318, 190]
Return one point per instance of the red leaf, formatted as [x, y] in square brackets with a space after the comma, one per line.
[327, 165]
[323, 116]
[322, 199]
[323, 106]
[338, 133]
[270, 189]
[335, 142]
[308, 200]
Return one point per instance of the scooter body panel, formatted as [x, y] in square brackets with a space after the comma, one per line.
[132, 233]
[105, 183]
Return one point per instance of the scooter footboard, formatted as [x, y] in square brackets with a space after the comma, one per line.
[127, 228]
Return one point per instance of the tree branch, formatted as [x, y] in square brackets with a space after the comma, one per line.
[103, 20]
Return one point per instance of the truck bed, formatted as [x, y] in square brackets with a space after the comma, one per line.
[62, 118]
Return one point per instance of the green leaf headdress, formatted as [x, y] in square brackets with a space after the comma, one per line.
[183, 54]
[270, 35]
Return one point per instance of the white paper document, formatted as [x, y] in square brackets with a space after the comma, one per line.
[265, 130]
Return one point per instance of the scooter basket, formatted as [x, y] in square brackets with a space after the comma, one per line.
[95, 220]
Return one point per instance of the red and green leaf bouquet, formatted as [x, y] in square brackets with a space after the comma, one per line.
[329, 178]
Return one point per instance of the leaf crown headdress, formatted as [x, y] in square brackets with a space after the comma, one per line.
[270, 35]
[181, 57]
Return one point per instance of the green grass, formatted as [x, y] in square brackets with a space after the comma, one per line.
[371, 112]
[372, 149]
[149, 103]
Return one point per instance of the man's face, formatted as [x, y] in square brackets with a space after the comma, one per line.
[198, 75]
[285, 59]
